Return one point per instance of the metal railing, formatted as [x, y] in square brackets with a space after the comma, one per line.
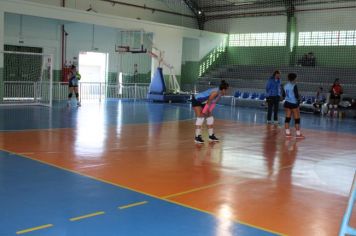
[99, 91]
[26, 92]
[15, 91]
[38, 92]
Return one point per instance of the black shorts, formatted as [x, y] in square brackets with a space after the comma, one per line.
[196, 103]
[71, 85]
[291, 105]
[334, 100]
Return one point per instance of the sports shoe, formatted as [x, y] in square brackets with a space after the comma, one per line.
[212, 138]
[276, 122]
[198, 139]
[300, 136]
[269, 122]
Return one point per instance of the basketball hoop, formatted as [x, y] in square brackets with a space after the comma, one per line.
[122, 49]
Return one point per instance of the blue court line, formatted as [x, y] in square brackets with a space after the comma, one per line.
[33, 193]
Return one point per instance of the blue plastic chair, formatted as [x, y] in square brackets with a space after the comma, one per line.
[245, 95]
[254, 96]
[237, 94]
[262, 96]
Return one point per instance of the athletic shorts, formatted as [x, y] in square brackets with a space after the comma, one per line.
[334, 100]
[291, 105]
[71, 85]
[196, 103]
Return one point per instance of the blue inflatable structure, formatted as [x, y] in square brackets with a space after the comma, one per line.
[158, 90]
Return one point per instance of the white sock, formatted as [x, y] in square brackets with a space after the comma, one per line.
[287, 131]
[298, 132]
[211, 131]
[197, 132]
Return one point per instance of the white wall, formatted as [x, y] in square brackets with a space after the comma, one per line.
[168, 38]
[190, 50]
[45, 33]
[36, 32]
[132, 12]
[249, 25]
[209, 42]
[85, 37]
[308, 19]
[327, 20]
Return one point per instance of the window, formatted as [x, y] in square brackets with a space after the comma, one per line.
[327, 38]
[257, 40]
[212, 57]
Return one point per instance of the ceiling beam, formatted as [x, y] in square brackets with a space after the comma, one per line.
[144, 7]
[244, 6]
[197, 11]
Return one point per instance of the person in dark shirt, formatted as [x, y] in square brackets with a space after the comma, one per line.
[73, 79]
[336, 91]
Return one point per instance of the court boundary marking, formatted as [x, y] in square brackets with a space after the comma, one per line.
[34, 229]
[144, 193]
[82, 217]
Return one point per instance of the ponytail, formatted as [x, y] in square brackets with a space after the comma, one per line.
[223, 85]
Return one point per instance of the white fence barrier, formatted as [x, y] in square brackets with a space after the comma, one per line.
[27, 91]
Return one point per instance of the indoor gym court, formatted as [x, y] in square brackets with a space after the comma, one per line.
[132, 168]
[125, 163]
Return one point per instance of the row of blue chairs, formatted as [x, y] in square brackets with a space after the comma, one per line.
[262, 96]
[250, 95]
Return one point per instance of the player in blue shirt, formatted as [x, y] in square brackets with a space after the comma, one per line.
[291, 105]
[273, 90]
[203, 104]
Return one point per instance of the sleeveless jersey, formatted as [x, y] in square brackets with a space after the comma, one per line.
[204, 96]
[290, 96]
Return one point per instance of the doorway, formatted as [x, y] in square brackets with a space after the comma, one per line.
[93, 67]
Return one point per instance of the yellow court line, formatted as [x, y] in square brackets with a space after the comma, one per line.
[27, 153]
[147, 194]
[132, 205]
[193, 190]
[34, 229]
[87, 216]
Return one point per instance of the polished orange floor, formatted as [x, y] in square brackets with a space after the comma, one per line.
[254, 175]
